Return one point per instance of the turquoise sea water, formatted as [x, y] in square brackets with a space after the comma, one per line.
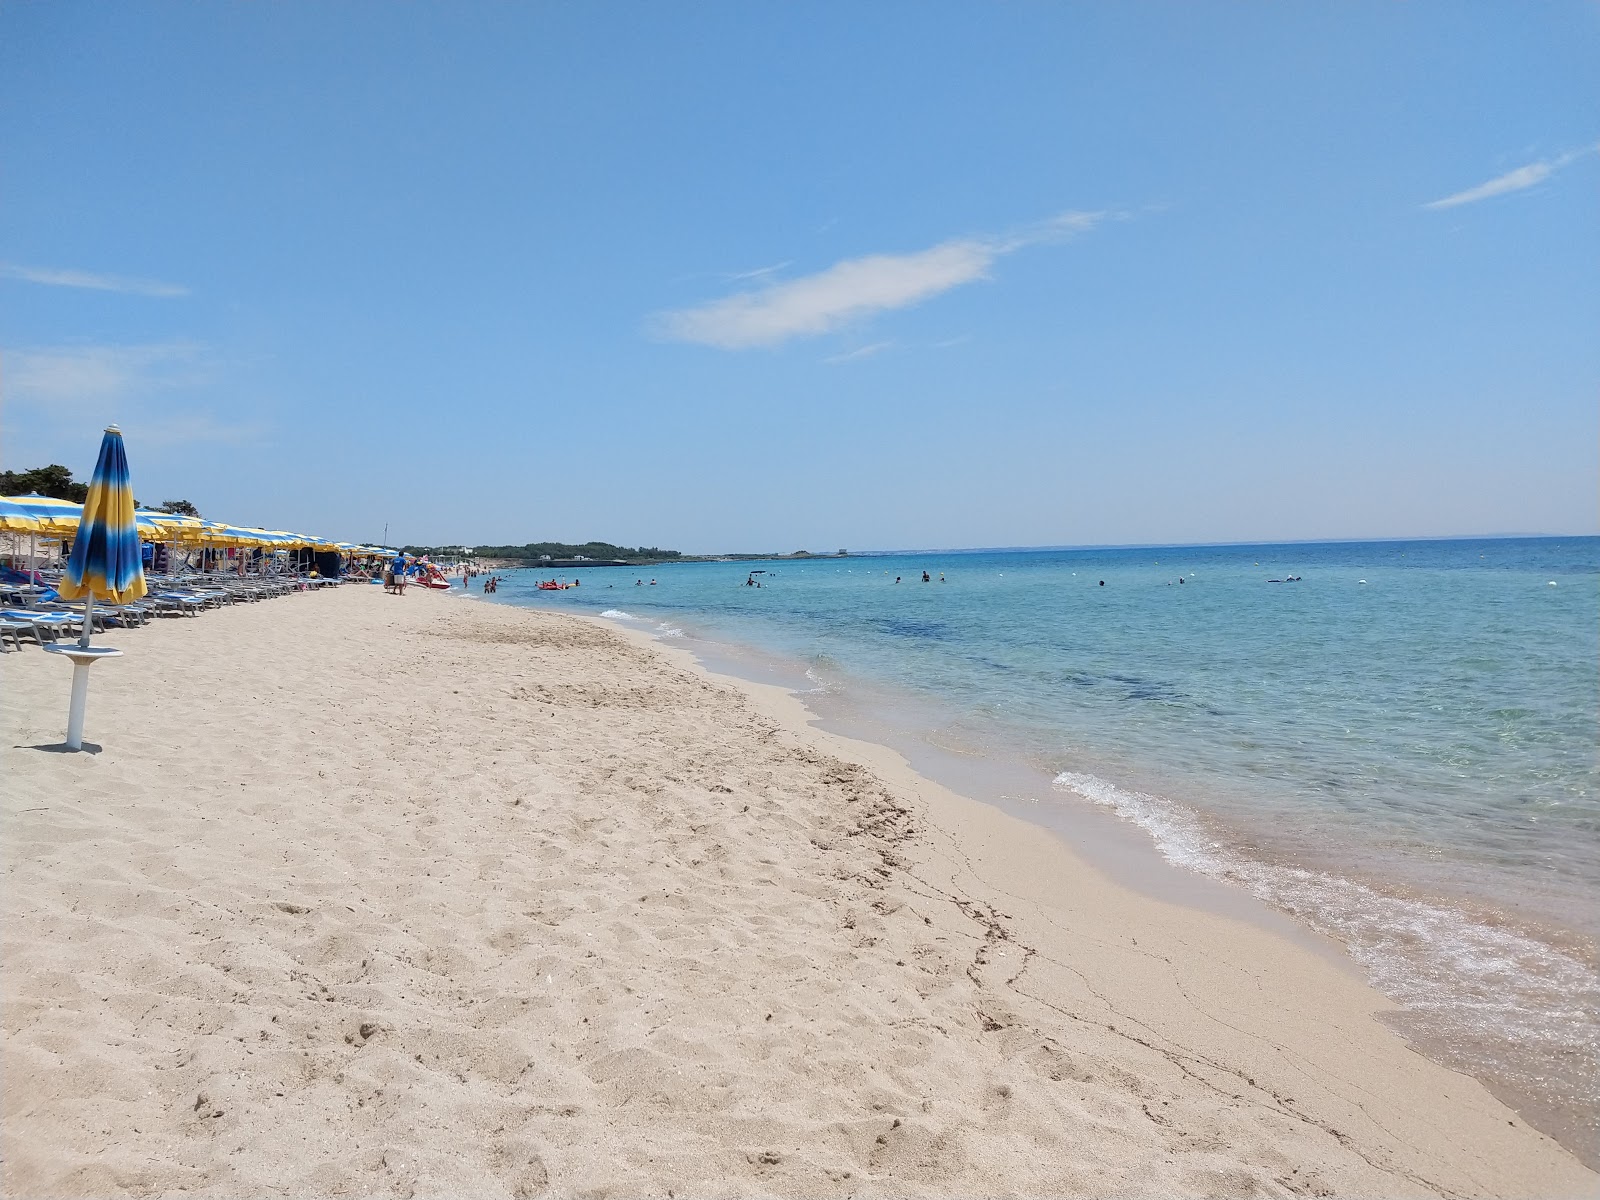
[1396, 743]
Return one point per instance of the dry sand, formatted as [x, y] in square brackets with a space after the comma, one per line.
[418, 896]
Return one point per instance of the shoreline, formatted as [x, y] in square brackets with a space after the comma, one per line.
[773, 959]
[1126, 854]
[1134, 855]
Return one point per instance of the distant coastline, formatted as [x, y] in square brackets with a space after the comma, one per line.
[602, 554]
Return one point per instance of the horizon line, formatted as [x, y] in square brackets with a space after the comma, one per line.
[1321, 541]
[1220, 545]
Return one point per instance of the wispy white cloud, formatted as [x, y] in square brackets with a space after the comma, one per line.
[188, 428]
[1512, 181]
[68, 277]
[758, 273]
[854, 289]
[80, 374]
[856, 355]
[157, 392]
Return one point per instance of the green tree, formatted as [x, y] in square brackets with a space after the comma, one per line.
[182, 508]
[55, 481]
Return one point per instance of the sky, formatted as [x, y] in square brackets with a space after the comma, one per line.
[735, 277]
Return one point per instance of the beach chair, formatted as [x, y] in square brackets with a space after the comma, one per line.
[127, 616]
[165, 604]
[208, 597]
[14, 630]
[76, 612]
[184, 602]
[51, 625]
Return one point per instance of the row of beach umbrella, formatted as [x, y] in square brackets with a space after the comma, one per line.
[107, 564]
[45, 516]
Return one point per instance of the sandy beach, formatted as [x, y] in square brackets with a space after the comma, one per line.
[419, 896]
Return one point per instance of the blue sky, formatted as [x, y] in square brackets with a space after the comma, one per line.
[733, 276]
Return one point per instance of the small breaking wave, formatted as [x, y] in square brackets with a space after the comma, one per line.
[616, 614]
[665, 630]
[1472, 982]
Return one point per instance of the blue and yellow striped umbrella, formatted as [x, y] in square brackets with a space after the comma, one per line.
[16, 517]
[170, 526]
[38, 514]
[105, 560]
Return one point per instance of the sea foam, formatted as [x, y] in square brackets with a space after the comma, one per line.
[1477, 982]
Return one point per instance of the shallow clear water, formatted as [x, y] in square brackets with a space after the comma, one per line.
[1398, 746]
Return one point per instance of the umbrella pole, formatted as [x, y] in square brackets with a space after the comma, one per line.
[80, 699]
[80, 680]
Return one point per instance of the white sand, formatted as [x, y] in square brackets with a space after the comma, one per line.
[369, 895]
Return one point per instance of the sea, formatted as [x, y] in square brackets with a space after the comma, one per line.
[1393, 743]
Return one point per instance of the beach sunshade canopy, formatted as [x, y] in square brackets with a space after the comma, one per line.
[216, 533]
[39, 514]
[169, 527]
[105, 560]
[268, 538]
[15, 518]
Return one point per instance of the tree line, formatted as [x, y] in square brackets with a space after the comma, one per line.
[536, 550]
[56, 481]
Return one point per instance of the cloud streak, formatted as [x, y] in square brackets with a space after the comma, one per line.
[69, 277]
[858, 354]
[854, 289]
[78, 374]
[157, 391]
[1512, 181]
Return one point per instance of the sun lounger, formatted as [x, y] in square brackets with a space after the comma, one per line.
[127, 616]
[176, 603]
[52, 625]
[76, 612]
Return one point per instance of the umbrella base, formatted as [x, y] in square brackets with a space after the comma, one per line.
[83, 657]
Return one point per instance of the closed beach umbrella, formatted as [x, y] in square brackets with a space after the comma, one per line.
[104, 563]
[105, 558]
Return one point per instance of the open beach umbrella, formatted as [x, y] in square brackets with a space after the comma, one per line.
[38, 516]
[170, 528]
[20, 514]
[16, 517]
[105, 563]
[52, 515]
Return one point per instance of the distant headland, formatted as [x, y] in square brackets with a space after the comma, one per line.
[595, 554]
